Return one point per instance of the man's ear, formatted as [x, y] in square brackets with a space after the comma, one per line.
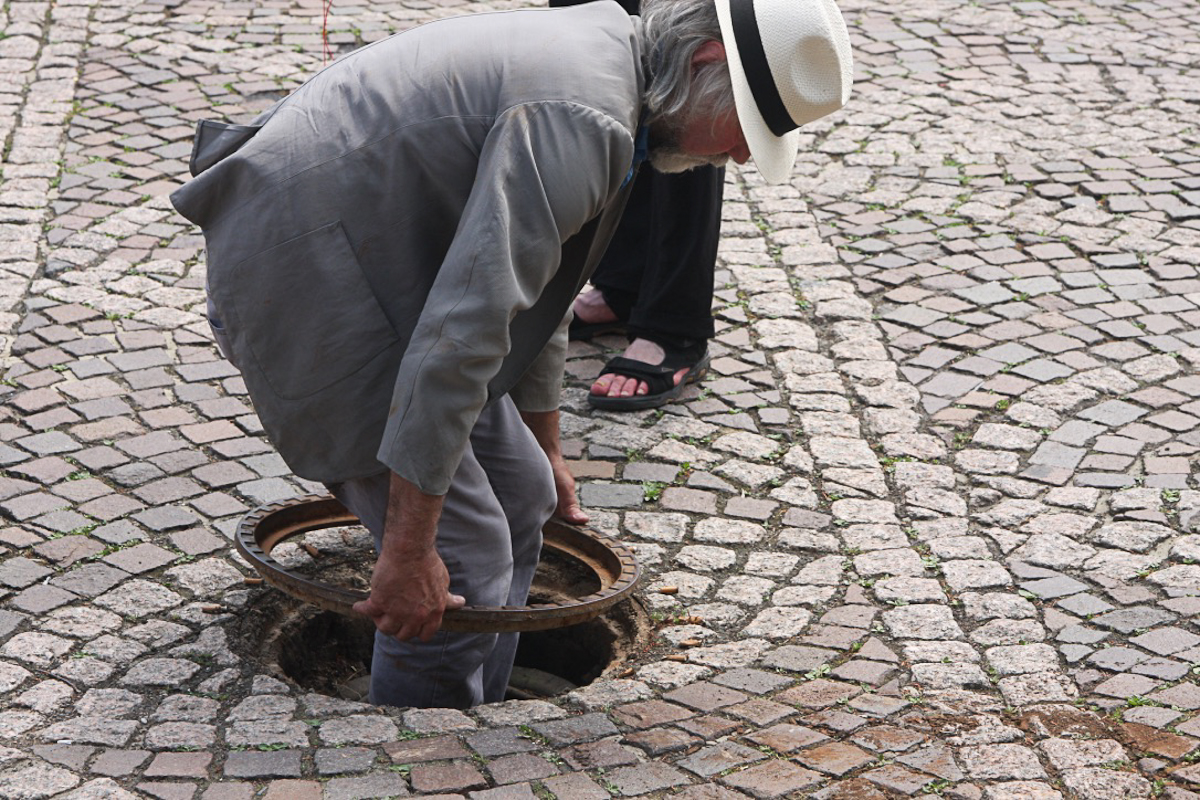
[708, 53]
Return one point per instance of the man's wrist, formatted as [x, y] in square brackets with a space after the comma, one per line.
[403, 548]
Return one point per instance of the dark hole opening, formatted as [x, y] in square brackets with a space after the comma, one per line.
[324, 651]
[575, 655]
[330, 653]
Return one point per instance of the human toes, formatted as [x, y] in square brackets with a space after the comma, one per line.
[622, 387]
[602, 384]
[610, 385]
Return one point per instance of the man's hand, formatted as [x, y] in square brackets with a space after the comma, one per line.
[410, 587]
[409, 595]
[564, 483]
[544, 425]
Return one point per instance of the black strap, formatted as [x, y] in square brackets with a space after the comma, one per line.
[657, 377]
[758, 71]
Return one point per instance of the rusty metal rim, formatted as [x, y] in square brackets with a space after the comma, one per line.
[267, 526]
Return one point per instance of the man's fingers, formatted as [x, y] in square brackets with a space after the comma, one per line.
[389, 626]
[429, 629]
[573, 514]
[430, 626]
[367, 608]
[421, 627]
[406, 632]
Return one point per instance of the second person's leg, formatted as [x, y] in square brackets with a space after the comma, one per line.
[669, 318]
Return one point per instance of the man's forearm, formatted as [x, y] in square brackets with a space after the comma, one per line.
[410, 527]
[409, 585]
[544, 425]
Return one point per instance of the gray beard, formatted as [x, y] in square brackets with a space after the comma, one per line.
[669, 158]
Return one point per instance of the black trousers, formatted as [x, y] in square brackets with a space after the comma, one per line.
[657, 273]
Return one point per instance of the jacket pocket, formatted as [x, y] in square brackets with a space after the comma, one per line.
[307, 314]
[221, 337]
[217, 140]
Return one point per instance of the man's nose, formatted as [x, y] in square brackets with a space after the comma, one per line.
[740, 153]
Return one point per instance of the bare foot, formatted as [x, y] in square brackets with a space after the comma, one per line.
[615, 385]
[590, 307]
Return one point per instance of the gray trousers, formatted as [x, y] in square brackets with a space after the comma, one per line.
[490, 537]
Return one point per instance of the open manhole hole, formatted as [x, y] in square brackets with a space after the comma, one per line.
[330, 653]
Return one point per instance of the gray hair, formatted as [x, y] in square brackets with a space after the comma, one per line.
[672, 31]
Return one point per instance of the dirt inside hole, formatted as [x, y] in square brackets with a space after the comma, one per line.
[330, 653]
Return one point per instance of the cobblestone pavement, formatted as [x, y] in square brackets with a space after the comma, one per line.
[930, 528]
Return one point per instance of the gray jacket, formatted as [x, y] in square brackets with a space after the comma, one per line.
[399, 241]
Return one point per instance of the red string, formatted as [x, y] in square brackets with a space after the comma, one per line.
[326, 54]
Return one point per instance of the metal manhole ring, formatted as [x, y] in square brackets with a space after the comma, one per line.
[612, 563]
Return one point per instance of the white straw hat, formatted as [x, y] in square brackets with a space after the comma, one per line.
[790, 63]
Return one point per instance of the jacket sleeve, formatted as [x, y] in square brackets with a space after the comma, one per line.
[541, 386]
[545, 170]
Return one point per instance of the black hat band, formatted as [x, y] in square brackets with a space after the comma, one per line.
[756, 68]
